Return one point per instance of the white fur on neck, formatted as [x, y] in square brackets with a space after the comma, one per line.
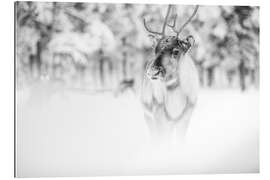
[159, 90]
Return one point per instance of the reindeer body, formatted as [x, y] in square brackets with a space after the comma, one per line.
[171, 83]
[168, 105]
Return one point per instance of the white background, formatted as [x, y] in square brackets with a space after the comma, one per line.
[7, 91]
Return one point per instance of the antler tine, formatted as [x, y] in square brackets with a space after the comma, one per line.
[148, 29]
[189, 19]
[162, 33]
[174, 23]
[166, 19]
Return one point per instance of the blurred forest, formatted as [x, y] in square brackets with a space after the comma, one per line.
[99, 46]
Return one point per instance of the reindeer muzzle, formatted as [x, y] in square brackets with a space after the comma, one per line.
[155, 72]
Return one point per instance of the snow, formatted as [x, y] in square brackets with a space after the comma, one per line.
[62, 132]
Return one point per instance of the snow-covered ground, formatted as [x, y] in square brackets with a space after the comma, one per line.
[66, 133]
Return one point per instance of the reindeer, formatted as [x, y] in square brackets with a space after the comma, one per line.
[170, 85]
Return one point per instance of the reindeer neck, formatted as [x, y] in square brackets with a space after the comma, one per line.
[159, 91]
[173, 83]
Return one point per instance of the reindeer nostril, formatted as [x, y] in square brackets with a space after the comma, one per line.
[156, 73]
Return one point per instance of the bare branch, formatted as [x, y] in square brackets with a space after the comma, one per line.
[74, 16]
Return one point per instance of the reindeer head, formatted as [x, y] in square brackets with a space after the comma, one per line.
[168, 50]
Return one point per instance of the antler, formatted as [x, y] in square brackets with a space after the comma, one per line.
[174, 20]
[178, 31]
[148, 29]
[162, 33]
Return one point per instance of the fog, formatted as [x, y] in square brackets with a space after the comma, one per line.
[70, 133]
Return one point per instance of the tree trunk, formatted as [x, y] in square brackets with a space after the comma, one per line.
[241, 69]
[210, 74]
[124, 65]
[101, 67]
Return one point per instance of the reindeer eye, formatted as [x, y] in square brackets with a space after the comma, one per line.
[175, 52]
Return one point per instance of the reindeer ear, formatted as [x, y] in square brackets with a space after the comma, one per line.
[187, 43]
[190, 39]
